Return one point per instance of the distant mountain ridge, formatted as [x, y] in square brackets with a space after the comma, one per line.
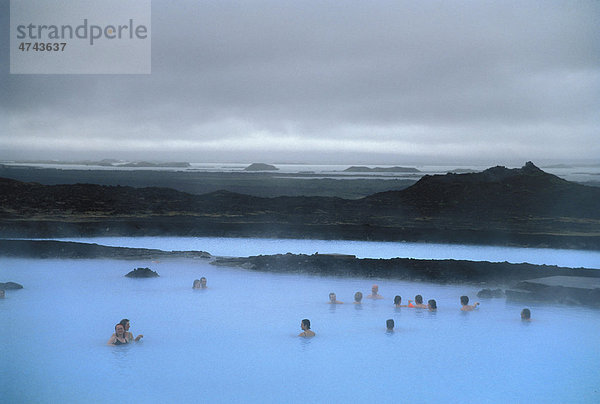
[500, 204]
[519, 191]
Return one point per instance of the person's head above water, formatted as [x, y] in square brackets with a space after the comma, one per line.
[375, 293]
[419, 299]
[333, 299]
[525, 314]
[397, 300]
[305, 324]
[203, 282]
[306, 331]
[119, 330]
[358, 297]
[464, 300]
[196, 284]
[125, 324]
[390, 324]
[431, 304]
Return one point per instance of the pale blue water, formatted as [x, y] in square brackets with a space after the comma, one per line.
[244, 247]
[236, 341]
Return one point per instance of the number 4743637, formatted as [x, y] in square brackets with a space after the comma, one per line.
[42, 46]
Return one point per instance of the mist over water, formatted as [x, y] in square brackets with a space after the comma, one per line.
[236, 341]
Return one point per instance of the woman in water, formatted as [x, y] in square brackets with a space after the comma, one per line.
[119, 337]
[432, 305]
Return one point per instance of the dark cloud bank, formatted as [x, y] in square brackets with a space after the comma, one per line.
[329, 81]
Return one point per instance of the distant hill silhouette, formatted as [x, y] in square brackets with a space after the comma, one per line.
[498, 191]
[261, 167]
[523, 206]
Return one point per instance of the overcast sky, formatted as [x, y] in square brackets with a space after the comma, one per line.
[381, 82]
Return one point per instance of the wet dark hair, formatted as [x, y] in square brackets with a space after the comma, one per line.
[119, 324]
[397, 299]
[419, 299]
[464, 300]
[432, 304]
[389, 324]
[358, 296]
[306, 323]
[526, 314]
[124, 322]
[203, 278]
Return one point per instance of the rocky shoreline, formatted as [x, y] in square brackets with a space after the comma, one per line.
[438, 271]
[72, 250]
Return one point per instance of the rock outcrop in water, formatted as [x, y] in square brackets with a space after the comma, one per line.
[73, 250]
[10, 286]
[558, 289]
[142, 273]
[490, 293]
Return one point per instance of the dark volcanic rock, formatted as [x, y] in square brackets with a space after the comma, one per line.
[261, 167]
[142, 273]
[489, 293]
[73, 250]
[558, 289]
[439, 271]
[497, 193]
[10, 286]
[524, 206]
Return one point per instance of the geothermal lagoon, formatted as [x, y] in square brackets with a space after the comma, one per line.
[237, 340]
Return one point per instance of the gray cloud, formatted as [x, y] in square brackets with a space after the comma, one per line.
[366, 80]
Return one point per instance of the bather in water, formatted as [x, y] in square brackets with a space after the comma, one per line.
[125, 323]
[358, 298]
[199, 283]
[375, 293]
[432, 305]
[306, 331]
[418, 302]
[464, 300]
[333, 299]
[398, 301]
[526, 315]
[119, 337]
[389, 324]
